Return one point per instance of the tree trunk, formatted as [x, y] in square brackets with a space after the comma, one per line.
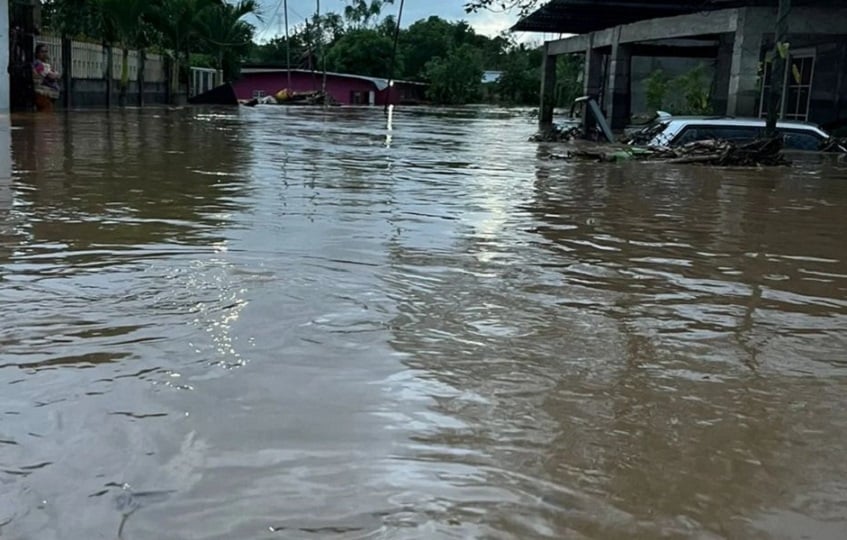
[221, 67]
[778, 67]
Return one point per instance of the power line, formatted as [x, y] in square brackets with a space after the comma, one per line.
[270, 20]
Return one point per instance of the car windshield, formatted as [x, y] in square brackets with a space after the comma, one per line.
[647, 134]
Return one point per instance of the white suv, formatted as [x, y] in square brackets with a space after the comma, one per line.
[680, 130]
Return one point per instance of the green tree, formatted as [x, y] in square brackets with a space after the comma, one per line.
[520, 81]
[274, 52]
[365, 52]
[360, 14]
[569, 71]
[456, 78]
[523, 6]
[177, 20]
[423, 41]
[127, 24]
[225, 35]
[72, 18]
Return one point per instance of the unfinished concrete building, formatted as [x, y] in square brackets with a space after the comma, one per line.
[733, 35]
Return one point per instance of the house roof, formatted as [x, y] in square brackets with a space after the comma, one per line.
[491, 76]
[583, 16]
[380, 83]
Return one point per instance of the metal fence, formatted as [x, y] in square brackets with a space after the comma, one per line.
[90, 60]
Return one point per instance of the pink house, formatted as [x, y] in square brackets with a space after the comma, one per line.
[347, 89]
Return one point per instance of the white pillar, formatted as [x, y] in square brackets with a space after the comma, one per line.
[4, 56]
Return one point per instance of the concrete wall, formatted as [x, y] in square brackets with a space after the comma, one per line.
[92, 93]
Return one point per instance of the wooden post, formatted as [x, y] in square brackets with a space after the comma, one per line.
[142, 63]
[779, 62]
[548, 90]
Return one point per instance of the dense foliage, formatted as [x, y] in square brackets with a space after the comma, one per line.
[214, 28]
[360, 39]
[450, 56]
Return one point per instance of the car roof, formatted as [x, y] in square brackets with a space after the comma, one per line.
[732, 121]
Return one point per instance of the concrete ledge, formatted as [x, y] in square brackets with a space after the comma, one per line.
[696, 24]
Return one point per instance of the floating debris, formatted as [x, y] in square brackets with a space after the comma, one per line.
[709, 152]
[558, 134]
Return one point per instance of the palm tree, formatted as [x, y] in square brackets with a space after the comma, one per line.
[178, 21]
[226, 35]
[125, 22]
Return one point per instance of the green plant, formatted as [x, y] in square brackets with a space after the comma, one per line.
[695, 89]
[689, 93]
[657, 88]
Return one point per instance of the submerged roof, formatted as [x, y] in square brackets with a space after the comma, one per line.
[583, 16]
[380, 83]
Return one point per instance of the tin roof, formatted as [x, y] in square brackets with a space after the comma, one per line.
[380, 83]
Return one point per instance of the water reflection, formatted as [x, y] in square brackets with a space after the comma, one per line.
[274, 322]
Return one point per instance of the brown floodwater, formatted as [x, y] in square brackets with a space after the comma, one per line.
[293, 323]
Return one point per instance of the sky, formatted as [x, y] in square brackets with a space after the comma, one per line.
[485, 22]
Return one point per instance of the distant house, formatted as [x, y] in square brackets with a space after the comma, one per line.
[734, 36]
[345, 88]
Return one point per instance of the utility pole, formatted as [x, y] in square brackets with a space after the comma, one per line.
[321, 52]
[779, 64]
[287, 45]
[394, 56]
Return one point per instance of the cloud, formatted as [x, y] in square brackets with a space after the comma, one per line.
[484, 22]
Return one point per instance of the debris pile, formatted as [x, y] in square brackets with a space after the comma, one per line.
[709, 152]
[558, 134]
[835, 144]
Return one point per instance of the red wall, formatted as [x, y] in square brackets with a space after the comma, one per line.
[338, 86]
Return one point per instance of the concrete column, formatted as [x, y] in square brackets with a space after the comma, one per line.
[723, 67]
[548, 89]
[616, 98]
[743, 92]
[4, 56]
[593, 78]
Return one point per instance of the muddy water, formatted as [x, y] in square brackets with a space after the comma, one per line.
[281, 323]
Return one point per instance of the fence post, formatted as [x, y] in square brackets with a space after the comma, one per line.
[142, 65]
[67, 72]
[168, 63]
[108, 50]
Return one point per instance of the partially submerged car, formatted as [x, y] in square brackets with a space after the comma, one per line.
[680, 130]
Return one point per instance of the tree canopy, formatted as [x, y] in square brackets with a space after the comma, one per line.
[359, 38]
[450, 56]
[215, 28]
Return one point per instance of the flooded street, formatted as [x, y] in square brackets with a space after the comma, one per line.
[289, 323]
